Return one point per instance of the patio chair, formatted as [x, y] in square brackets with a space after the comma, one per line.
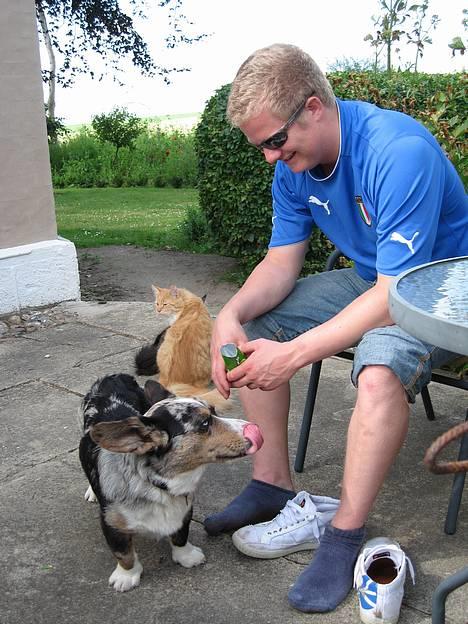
[438, 376]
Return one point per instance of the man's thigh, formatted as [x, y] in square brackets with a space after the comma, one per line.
[410, 359]
[313, 301]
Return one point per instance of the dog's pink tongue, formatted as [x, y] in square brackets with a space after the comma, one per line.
[253, 433]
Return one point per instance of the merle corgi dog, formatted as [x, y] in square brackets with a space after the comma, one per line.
[144, 452]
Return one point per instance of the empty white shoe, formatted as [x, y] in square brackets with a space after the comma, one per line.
[298, 526]
[379, 577]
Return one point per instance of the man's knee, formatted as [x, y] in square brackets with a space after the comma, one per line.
[379, 383]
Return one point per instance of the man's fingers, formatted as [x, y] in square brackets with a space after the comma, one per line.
[220, 381]
[237, 373]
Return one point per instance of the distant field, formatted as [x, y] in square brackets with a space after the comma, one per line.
[181, 120]
[147, 217]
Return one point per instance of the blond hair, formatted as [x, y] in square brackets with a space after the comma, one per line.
[277, 78]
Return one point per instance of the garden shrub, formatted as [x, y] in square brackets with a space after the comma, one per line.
[156, 157]
[234, 179]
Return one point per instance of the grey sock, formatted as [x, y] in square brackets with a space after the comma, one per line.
[258, 502]
[328, 579]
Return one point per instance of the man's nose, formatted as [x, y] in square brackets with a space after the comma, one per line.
[271, 156]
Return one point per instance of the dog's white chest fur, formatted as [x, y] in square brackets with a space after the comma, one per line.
[159, 519]
[140, 504]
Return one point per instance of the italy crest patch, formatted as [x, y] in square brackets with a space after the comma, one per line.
[362, 210]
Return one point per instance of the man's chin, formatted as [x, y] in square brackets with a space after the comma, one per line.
[296, 164]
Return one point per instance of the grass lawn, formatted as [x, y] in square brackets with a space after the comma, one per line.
[147, 217]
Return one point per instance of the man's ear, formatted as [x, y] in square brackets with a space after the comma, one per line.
[128, 436]
[154, 392]
[314, 105]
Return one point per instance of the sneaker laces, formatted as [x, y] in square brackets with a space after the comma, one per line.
[293, 514]
[366, 554]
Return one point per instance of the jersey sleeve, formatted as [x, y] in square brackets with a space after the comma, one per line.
[292, 220]
[408, 188]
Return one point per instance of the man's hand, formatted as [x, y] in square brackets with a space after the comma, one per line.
[269, 364]
[225, 329]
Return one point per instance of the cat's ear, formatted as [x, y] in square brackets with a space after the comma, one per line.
[174, 291]
[155, 289]
[154, 392]
[204, 298]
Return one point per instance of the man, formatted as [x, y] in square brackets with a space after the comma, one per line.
[381, 188]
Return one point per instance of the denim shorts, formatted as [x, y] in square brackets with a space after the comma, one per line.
[317, 298]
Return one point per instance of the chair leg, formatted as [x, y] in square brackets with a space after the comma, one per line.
[307, 417]
[441, 592]
[426, 397]
[457, 489]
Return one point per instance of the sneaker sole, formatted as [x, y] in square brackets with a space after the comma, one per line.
[251, 551]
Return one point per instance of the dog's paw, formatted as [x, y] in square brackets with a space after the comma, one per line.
[188, 556]
[90, 495]
[123, 580]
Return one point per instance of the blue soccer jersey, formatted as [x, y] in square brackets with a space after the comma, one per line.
[393, 200]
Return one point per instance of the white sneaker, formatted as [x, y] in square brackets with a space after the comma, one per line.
[298, 526]
[379, 577]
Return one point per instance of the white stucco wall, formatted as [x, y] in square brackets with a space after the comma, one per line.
[36, 266]
[38, 274]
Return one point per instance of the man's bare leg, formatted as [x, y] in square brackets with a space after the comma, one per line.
[272, 485]
[376, 432]
[270, 410]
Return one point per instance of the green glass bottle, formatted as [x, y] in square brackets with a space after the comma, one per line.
[232, 356]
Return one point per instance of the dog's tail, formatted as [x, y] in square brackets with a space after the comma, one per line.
[213, 397]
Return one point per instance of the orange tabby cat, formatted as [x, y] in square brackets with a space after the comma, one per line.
[184, 354]
[181, 353]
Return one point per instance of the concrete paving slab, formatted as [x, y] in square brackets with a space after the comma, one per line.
[55, 561]
[55, 349]
[39, 422]
[84, 373]
[137, 319]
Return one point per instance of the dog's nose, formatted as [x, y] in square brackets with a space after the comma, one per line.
[252, 433]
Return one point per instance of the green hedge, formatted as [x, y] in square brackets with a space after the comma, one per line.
[159, 158]
[234, 180]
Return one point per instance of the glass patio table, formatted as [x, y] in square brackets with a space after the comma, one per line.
[430, 302]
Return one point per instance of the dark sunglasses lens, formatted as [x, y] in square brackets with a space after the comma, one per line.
[276, 141]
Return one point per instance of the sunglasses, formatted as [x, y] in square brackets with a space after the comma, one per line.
[277, 140]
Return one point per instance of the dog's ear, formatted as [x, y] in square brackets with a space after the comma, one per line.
[154, 392]
[128, 436]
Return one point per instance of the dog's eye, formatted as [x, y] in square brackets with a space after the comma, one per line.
[205, 425]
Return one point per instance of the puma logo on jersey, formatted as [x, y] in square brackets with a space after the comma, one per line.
[396, 236]
[317, 202]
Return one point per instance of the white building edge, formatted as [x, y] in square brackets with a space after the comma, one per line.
[37, 267]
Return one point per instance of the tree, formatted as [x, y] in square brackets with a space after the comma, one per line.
[75, 28]
[388, 23]
[350, 63]
[119, 127]
[457, 44]
[419, 36]
[390, 26]
[55, 128]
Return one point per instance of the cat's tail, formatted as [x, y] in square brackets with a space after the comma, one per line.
[145, 359]
[213, 397]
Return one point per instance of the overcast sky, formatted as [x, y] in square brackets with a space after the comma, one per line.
[328, 30]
